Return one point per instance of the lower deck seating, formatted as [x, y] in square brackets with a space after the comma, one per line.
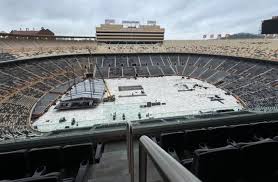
[64, 162]
[244, 152]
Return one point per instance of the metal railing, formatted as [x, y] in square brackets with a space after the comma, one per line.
[135, 130]
[169, 169]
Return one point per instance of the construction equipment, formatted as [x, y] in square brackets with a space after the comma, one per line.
[110, 97]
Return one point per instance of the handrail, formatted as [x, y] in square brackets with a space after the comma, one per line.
[169, 169]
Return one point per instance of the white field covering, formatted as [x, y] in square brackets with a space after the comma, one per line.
[157, 89]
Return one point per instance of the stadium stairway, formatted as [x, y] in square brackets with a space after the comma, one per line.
[113, 165]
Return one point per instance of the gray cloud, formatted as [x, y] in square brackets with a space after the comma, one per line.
[182, 19]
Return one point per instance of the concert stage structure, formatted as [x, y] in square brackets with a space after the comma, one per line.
[86, 94]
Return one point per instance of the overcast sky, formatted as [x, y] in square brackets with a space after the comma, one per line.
[182, 19]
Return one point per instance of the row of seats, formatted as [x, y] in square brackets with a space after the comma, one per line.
[6, 56]
[191, 140]
[249, 162]
[200, 150]
[70, 160]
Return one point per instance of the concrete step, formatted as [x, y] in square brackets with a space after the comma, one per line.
[120, 154]
[110, 178]
[111, 163]
[112, 147]
[112, 168]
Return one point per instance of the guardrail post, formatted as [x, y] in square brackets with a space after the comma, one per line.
[130, 150]
[128, 145]
[142, 164]
[169, 169]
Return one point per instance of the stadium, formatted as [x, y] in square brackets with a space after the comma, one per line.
[94, 108]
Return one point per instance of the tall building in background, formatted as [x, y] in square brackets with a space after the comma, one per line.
[270, 26]
[129, 32]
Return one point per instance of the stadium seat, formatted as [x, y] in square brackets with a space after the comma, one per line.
[76, 156]
[262, 129]
[217, 165]
[274, 128]
[173, 142]
[13, 165]
[218, 136]
[203, 138]
[267, 129]
[242, 133]
[259, 160]
[50, 157]
[195, 138]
